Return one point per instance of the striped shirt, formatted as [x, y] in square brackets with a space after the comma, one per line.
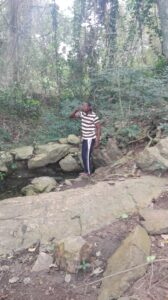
[89, 122]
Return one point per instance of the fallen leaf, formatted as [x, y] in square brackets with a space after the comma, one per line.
[98, 253]
[67, 278]
[124, 216]
[151, 258]
[97, 271]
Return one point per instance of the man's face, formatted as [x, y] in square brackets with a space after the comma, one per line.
[85, 107]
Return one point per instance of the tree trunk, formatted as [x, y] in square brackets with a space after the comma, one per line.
[13, 6]
[163, 14]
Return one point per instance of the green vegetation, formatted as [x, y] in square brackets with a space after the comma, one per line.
[108, 52]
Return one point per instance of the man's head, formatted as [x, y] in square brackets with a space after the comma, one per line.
[86, 107]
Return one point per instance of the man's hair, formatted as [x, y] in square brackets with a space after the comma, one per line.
[89, 104]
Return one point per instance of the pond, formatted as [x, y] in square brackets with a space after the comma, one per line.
[12, 185]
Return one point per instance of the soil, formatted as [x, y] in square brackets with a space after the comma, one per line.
[51, 284]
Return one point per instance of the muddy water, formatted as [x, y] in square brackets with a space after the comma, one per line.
[12, 185]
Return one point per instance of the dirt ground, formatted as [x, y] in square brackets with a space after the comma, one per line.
[51, 284]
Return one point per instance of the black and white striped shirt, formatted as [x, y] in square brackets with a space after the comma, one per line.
[89, 122]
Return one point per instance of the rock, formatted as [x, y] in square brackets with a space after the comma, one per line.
[113, 152]
[13, 279]
[6, 159]
[110, 154]
[73, 139]
[74, 150]
[47, 154]
[63, 141]
[69, 253]
[28, 190]
[69, 164]
[155, 221]
[40, 185]
[44, 184]
[4, 268]
[67, 213]
[42, 263]
[22, 153]
[68, 182]
[132, 252]
[26, 280]
[154, 158]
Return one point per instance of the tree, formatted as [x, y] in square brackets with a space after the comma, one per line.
[163, 14]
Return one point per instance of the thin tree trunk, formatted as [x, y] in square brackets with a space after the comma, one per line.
[13, 8]
[163, 14]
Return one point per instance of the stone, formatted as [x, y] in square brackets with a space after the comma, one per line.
[63, 141]
[132, 252]
[44, 184]
[26, 280]
[68, 182]
[42, 263]
[40, 185]
[72, 212]
[154, 158]
[69, 164]
[71, 250]
[13, 279]
[155, 221]
[6, 159]
[113, 152]
[47, 154]
[22, 153]
[74, 150]
[28, 190]
[108, 155]
[4, 268]
[73, 139]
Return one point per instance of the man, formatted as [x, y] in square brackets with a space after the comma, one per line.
[90, 134]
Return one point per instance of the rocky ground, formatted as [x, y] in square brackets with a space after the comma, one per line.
[17, 281]
[124, 258]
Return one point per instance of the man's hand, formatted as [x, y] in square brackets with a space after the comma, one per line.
[73, 114]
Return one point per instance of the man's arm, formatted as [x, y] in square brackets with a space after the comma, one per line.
[75, 114]
[98, 133]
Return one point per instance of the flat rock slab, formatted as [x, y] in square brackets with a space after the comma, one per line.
[155, 220]
[132, 252]
[24, 220]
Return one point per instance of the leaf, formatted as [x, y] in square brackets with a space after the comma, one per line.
[67, 278]
[124, 216]
[164, 236]
[151, 259]
[97, 271]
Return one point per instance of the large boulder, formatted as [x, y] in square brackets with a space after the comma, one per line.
[107, 155]
[154, 158]
[6, 160]
[155, 221]
[132, 252]
[69, 164]
[47, 154]
[22, 153]
[73, 139]
[40, 185]
[63, 141]
[61, 214]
